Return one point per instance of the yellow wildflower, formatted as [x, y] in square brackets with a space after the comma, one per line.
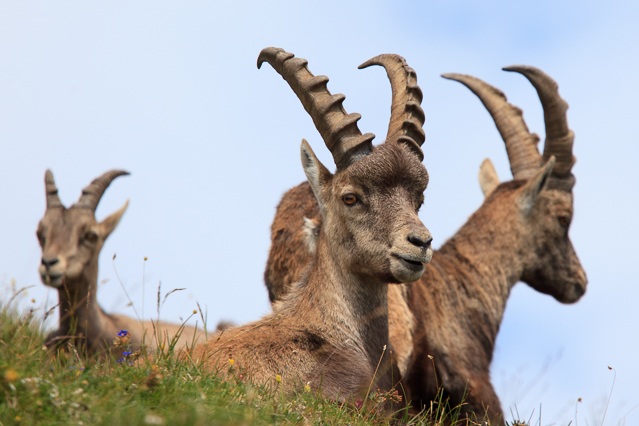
[10, 375]
[278, 378]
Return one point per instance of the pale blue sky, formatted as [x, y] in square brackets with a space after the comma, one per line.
[172, 93]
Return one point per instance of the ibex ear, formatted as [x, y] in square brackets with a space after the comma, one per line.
[488, 179]
[535, 185]
[318, 175]
[108, 225]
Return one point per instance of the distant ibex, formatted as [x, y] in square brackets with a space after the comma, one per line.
[71, 240]
[331, 331]
[520, 233]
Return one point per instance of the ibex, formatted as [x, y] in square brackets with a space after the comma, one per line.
[520, 233]
[71, 240]
[331, 331]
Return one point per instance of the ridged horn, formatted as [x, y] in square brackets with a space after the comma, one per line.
[559, 137]
[92, 194]
[521, 145]
[53, 199]
[338, 129]
[407, 115]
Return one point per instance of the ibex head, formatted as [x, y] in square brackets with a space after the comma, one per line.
[71, 239]
[369, 206]
[539, 201]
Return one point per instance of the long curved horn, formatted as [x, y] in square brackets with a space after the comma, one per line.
[559, 137]
[338, 129]
[521, 145]
[53, 199]
[91, 194]
[407, 116]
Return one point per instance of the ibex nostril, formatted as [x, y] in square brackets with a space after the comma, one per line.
[429, 241]
[48, 262]
[418, 241]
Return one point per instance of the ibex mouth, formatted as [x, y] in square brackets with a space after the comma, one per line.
[574, 293]
[406, 268]
[53, 280]
[410, 261]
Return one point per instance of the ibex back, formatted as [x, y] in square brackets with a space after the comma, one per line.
[520, 233]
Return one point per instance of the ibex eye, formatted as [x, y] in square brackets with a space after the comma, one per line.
[349, 199]
[91, 237]
[564, 221]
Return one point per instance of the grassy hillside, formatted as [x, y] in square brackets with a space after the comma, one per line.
[38, 388]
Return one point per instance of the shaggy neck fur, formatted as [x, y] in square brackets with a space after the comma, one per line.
[352, 309]
[481, 267]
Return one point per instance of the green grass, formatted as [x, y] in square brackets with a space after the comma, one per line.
[38, 388]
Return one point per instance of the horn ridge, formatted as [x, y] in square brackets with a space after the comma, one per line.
[407, 115]
[559, 137]
[51, 191]
[521, 145]
[338, 129]
[92, 194]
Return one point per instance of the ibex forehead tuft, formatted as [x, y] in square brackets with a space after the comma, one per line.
[538, 204]
[71, 239]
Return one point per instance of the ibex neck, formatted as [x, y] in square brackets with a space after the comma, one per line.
[79, 309]
[351, 307]
[479, 266]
